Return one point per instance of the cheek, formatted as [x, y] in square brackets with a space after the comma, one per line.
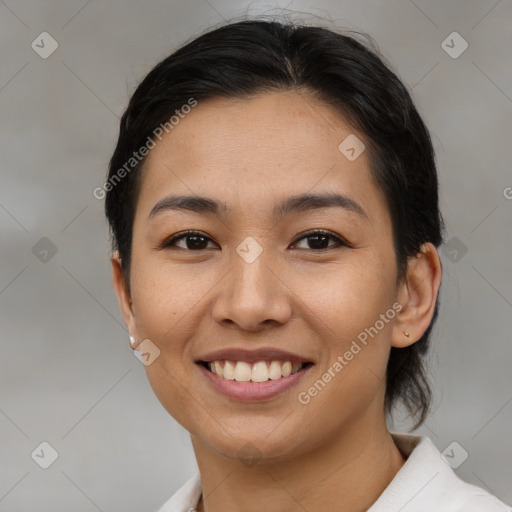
[161, 302]
[344, 309]
[181, 401]
[344, 299]
[167, 301]
[163, 295]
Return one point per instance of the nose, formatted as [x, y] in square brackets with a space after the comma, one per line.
[253, 295]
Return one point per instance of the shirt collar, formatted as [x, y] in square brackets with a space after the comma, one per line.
[424, 483]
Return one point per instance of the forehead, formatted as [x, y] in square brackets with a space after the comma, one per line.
[250, 153]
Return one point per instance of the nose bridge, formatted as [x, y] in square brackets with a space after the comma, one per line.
[250, 270]
[252, 295]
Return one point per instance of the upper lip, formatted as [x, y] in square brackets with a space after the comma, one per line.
[251, 356]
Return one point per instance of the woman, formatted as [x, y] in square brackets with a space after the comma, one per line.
[273, 204]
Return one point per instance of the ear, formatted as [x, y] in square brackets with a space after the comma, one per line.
[417, 295]
[123, 296]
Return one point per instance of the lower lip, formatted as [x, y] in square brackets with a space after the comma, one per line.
[252, 391]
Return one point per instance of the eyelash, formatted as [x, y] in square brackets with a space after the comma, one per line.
[340, 241]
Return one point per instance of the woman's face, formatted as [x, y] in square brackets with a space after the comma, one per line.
[254, 284]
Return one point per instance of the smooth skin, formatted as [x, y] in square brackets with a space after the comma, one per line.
[249, 154]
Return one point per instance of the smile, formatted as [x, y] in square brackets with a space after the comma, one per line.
[255, 381]
[252, 374]
[259, 371]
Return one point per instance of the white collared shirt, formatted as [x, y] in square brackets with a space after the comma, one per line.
[425, 483]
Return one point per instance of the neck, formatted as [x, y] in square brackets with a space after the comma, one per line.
[351, 470]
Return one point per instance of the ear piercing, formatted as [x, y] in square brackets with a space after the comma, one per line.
[406, 333]
[132, 341]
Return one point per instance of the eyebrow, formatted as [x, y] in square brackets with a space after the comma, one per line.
[292, 205]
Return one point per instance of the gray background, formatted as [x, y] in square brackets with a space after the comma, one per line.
[68, 376]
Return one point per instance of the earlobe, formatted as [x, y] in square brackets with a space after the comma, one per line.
[417, 295]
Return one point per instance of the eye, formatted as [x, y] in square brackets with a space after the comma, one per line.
[197, 241]
[194, 241]
[318, 239]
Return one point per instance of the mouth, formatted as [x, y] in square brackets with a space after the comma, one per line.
[253, 375]
[259, 371]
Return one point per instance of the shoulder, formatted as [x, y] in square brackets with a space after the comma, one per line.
[471, 498]
[426, 482]
[483, 502]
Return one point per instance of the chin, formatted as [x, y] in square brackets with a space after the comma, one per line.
[264, 441]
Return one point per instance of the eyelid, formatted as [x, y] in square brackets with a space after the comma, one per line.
[174, 238]
[338, 238]
[341, 241]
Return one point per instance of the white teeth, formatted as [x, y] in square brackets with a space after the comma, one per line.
[286, 369]
[274, 370]
[242, 372]
[218, 368]
[229, 370]
[260, 371]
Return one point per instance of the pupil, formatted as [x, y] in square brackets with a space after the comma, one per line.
[317, 245]
[196, 244]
